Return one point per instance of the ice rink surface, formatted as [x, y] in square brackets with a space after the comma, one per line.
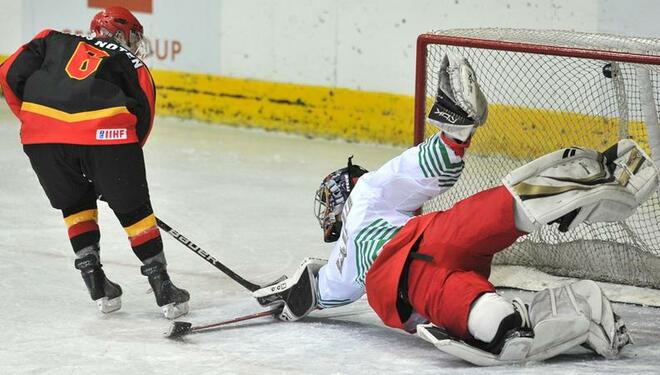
[245, 196]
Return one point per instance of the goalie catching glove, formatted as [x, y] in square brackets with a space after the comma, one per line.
[460, 107]
[297, 295]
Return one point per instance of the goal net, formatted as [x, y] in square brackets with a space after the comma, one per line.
[548, 90]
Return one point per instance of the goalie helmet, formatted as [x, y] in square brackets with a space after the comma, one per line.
[121, 25]
[331, 196]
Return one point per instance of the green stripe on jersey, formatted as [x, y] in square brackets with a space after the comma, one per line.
[434, 159]
[368, 243]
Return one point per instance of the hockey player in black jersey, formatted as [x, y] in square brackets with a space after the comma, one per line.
[86, 106]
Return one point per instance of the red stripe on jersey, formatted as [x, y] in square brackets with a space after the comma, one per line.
[10, 96]
[38, 128]
[145, 236]
[42, 34]
[147, 85]
[83, 227]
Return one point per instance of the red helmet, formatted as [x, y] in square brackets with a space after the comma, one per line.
[120, 24]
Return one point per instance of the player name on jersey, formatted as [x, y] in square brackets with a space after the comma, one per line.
[113, 47]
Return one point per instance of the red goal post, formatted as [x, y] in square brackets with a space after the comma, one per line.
[549, 89]
[425, 40]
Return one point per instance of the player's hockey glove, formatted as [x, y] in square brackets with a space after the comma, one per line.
[297, 295]
[460, 107]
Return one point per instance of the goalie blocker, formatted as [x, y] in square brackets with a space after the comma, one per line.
[297, 295]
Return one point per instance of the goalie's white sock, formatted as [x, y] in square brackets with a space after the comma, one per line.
[486, 314]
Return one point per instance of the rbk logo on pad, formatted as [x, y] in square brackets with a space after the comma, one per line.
[111, 134]
[445, 111]
[448, 116]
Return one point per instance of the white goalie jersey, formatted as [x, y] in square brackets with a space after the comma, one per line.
[380, 204]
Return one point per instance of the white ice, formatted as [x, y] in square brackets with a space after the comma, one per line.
[246, 197]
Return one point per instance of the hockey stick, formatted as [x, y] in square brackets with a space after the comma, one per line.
[179, 329]
[208, 257]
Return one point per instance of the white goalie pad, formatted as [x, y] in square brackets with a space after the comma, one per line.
[519, 347]
[590, 185]
[561, 318]
[607, 331]
[514, 351]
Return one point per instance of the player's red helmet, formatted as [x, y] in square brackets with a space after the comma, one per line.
[331, 196]
[120, 24]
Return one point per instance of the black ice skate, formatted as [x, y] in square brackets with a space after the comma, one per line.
[172, 300]
[104, 292]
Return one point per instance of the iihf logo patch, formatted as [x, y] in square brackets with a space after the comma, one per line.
[111, 134]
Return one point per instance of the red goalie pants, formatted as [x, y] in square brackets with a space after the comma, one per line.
[462, 242]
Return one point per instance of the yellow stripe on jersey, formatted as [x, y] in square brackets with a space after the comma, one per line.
[81, 216]
[141, 226]
[72, 117]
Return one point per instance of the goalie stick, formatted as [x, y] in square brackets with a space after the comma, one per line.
[179, 329]
[210, 259]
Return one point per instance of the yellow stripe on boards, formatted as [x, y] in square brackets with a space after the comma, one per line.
[141, 226]
[309, 110]
[531, 132]
[373, 117]
[81, 216]
[71, 117]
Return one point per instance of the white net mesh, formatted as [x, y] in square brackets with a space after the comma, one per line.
[542, 102]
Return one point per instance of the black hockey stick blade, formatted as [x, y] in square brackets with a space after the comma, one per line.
[178, 329]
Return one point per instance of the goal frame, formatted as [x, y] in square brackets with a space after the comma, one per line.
[424, 40]
[523, 277]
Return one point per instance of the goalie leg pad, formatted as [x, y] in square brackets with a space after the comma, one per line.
[558, 317]
[576, 304]
[583, 185]
[515, 348]
[607, 332]
[297, 295]
[558, 323]
[561, 318]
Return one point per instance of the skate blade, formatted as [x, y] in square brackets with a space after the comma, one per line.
[173, 311]
[107, 306]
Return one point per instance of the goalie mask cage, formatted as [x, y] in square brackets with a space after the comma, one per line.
[548, 90]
